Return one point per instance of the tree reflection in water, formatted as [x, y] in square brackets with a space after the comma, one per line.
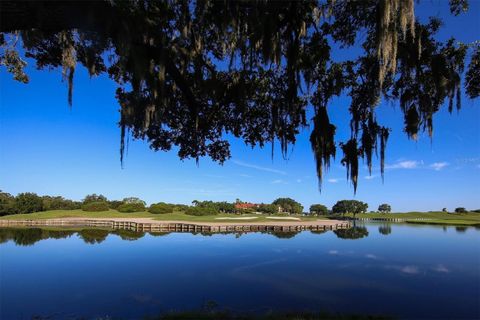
[385, 229]
[356, 232]
[29, 236]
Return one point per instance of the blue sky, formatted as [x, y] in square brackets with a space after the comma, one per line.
[48, 148]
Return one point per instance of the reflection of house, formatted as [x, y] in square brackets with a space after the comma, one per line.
[246, 205]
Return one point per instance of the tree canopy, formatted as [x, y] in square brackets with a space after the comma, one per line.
[288, 205]
[318, 209]
[189, 73]
[384, 208]
[350, 206]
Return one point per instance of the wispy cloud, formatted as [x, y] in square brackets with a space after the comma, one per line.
[254, 166]
[467, 160]
[299, 180]
[404, 269]
[437, 166]
[441, 268]
[333, 252]
[279, 181]
[371, 256]
[407, 164]
[409, 270]
[333, 180]
[245, 175]
[373, 176]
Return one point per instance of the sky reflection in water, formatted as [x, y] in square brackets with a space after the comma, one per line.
[400, 270]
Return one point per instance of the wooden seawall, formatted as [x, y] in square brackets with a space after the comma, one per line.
[169, 226]
[391, 219]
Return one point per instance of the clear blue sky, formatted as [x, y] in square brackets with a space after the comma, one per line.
[48, 148]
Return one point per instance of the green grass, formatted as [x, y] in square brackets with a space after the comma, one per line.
[180, 216]
[469, 218]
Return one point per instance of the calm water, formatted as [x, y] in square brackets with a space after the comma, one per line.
[399, 270]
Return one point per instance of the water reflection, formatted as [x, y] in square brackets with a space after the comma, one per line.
[29, 236]
[385, 229]
[244, 272]
[356, 232]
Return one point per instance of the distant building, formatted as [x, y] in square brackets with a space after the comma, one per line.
[246, 205]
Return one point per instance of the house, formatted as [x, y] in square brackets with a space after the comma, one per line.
[246, 205]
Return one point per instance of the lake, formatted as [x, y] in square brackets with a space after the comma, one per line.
[405, 271]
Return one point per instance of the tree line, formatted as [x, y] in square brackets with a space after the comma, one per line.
[29, 202]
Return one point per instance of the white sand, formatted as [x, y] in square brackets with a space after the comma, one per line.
[283, 218]
[240, 218]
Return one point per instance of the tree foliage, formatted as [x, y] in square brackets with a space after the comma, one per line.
[201, 211]
[350, 206]
[96, 206]
[114, 204]
[7, 204]
[94, 198]
[268, 208]
[190, 73]
[131, 207]
[223, 206]
[160, 208]
[318, 209]
[288, 205]
[28, 202]
[59, 203]
[134, 200]
[384, 208]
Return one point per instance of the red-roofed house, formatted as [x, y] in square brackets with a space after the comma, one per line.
[246, 205]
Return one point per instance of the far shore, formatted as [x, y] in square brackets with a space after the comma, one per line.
[434, 218]
[280, 223]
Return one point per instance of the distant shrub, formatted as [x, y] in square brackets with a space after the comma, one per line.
[160, 208]
[247, 211]
[477, 211]
[180, 207]
[95, 206]
[114, 204]
[200, 211]
[130, 200]
[268, 208]
[94, 198]
[460, 210]
[131, 207]
[28, 202]
[7, 204]
[59, 203]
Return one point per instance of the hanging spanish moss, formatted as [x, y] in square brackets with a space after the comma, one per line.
[69, 60]
[322, 140]
[393, 15]
[189, 74]
[350, 160]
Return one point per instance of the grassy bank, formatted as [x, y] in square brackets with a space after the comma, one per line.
[443, 218]
[179, 216]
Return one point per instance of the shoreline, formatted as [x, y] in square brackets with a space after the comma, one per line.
[148, 224]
